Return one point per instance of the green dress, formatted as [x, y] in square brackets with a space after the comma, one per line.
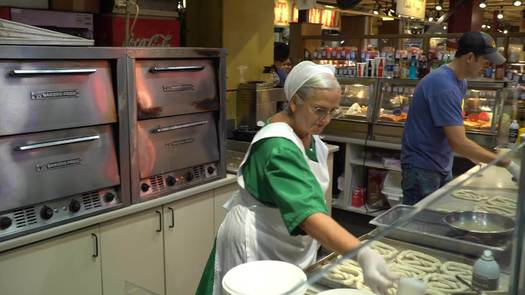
[277, 175]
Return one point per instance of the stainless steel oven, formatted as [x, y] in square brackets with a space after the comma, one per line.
[177, 118]
[59, 136]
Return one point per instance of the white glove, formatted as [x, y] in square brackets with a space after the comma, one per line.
[375, 271]
[514, 169]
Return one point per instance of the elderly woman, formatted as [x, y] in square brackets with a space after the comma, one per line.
[280, 212]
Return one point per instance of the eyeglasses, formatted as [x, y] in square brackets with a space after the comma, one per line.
[322, 112]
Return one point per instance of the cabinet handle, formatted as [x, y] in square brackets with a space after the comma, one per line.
[160, 221]
[172, 225]
[95, 238]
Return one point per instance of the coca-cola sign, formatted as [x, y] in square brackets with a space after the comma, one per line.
[157, 40]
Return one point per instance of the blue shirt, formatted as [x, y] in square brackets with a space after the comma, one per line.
[436, 103]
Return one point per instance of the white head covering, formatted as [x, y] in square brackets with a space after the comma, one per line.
[301, 73]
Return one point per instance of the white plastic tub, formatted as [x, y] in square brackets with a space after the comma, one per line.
[392, 188]
[264, 277]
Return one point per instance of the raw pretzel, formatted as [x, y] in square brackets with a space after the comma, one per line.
[387, 251]
[495, 209]
[469, 195]
[360, 285]
[406, 271]
[500, 201]
[434, 292]
[444, 283]
[347, 273]
[456, 268]
[419, 260]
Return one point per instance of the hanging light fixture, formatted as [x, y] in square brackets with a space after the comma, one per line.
[439, 6]
[516, 3]
[488, 27]
[430, 18]
[483, 26]
[505, 31]
[377, 8]
[483, 4]
[500, 13]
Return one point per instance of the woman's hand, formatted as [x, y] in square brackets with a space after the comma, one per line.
[375, 271]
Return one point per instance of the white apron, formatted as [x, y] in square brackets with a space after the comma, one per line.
[253, 231]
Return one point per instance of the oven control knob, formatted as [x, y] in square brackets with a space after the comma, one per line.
[74, 206]
[144, 187]
[109, 197]
[189, 176]
[170, 180]
[46, 212]
[211, 170]
[5, 222]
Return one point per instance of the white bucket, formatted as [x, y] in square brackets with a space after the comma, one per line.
[264, 277]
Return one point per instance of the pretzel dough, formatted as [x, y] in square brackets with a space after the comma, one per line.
[387, 251]
[500, 201]
[347, 273]
[406, 271]
[419, 260]
[444, 283]
[495, 209]
[456, 268]
[469, 195]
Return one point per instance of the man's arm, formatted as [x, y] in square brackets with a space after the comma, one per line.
[464, 146]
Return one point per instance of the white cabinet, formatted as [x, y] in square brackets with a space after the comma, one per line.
[188, 239]
[133, 254]
[222, 195]
[69, 264]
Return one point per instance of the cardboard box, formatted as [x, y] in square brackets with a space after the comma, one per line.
[148, 32]
[92, 6]
[37, 4]
[73, 23]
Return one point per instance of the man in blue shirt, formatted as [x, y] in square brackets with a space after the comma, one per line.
[434, 129]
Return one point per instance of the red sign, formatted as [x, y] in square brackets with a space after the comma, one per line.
[148, 32]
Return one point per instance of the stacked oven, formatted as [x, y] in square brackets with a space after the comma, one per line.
[177, 119]
[58, 137]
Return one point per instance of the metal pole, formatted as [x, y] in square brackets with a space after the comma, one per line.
[126, 29]
[517, 270]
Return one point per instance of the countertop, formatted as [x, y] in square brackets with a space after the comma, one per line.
[117, 213]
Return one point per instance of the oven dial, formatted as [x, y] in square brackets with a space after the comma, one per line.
[74, 206]
[170, 180]
[5, 222]
[144, 187]
[46, 212]
[211, 170]
[189, 176]
[109, 197]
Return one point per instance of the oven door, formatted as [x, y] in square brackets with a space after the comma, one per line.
[176, 142]
[49, 165]
[48, 95]
[175, 87]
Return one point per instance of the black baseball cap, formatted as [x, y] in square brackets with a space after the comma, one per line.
[481, 44]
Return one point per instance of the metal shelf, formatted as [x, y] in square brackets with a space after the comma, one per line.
[374, 164]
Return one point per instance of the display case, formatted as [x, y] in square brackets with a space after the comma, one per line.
[438, 240]
[482, 110]
[393, 101]
[356, 108]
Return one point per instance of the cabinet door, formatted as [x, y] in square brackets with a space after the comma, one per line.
[222, 195]
[188, 240]
[68, 264]
[133, 260]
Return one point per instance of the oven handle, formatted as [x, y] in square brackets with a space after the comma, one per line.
[181, 126]
[52, 72]
[176, 69]
[64, 141]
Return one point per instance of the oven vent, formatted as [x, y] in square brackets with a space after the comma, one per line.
[198, 172]
[91, 201]
[157, 183]
[25, 217]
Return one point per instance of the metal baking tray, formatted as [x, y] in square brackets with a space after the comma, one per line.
[401, 246]
[428, 228]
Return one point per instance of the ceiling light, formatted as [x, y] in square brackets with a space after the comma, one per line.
[439, 6]
[483, 26]
[483, 4]
[500, 13]
[505, 31]
[445, 28]
[377, 7]
[376, 12]
[431, 18]
[516, 3]
[488, 26]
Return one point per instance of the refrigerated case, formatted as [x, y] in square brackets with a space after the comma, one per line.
[356, 108]
[482, 110]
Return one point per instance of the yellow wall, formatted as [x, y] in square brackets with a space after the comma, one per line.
[248, 37]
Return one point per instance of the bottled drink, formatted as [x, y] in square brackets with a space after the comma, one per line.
[513, 131]
[412, 70]
[486, 272]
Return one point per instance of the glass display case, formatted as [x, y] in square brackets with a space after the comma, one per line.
[482, 106]
[356, 108]
[440, 239]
